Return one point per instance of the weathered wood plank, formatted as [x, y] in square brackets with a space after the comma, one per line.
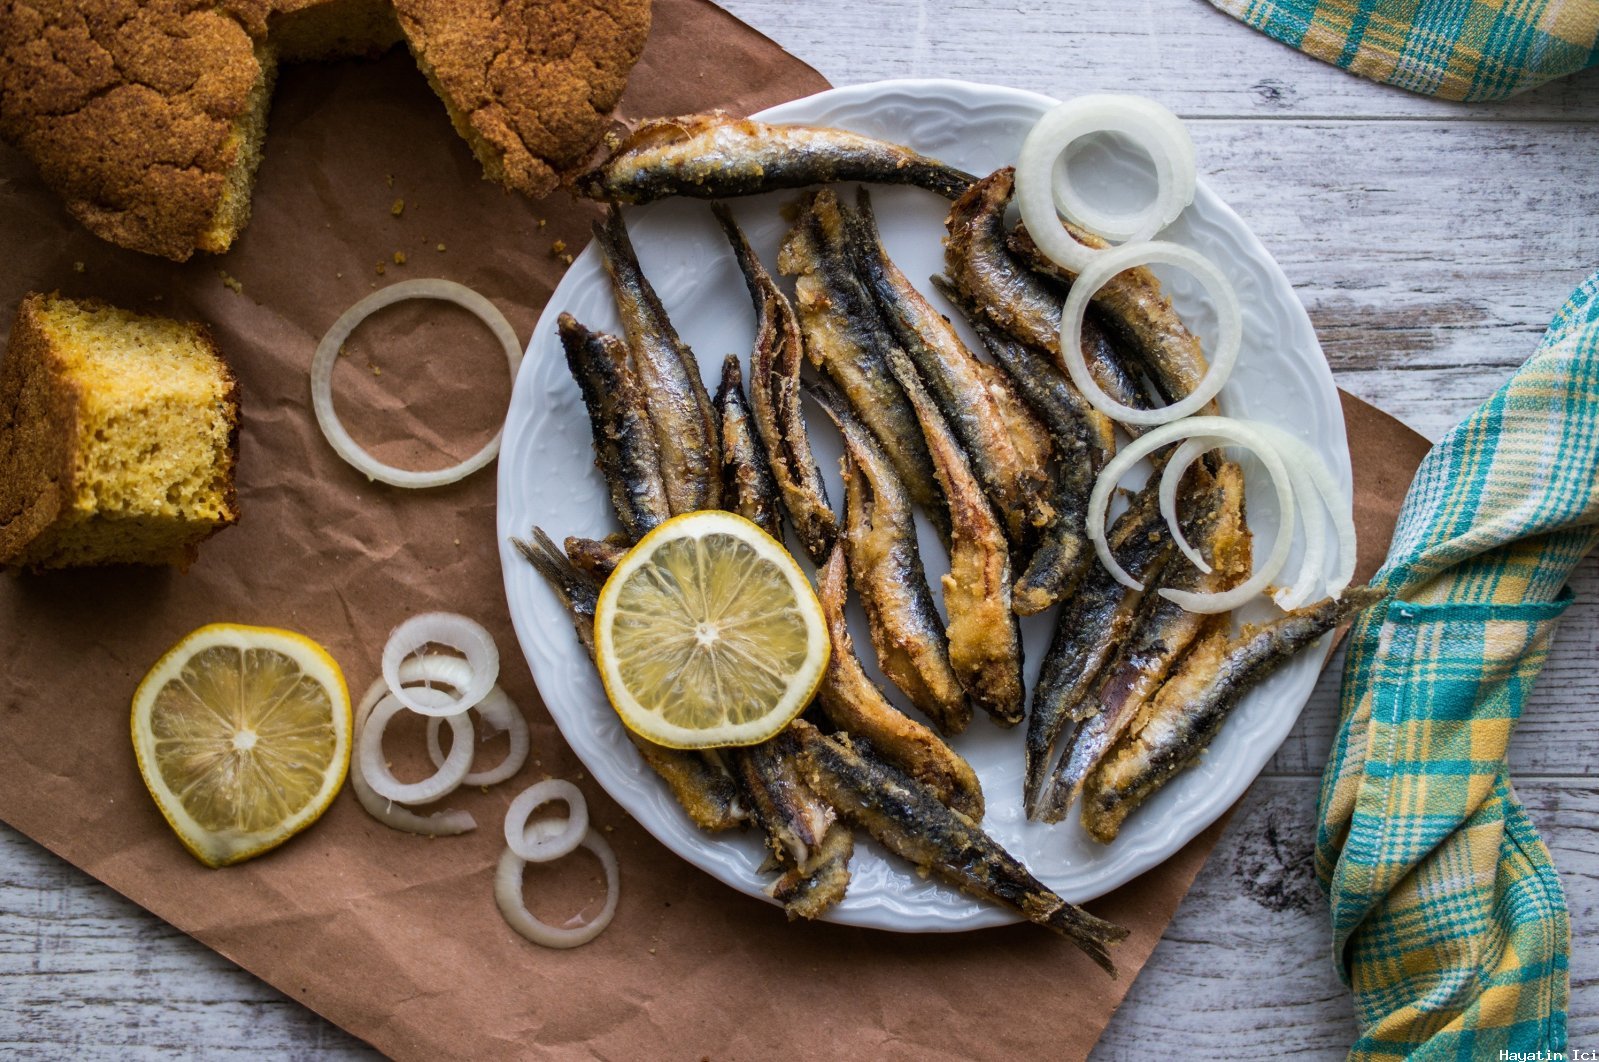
[1245, 969]
[1187, 54]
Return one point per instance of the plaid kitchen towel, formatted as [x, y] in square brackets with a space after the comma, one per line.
[1457, 49]
[1448, 919]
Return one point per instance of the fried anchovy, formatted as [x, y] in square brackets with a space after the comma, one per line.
[747, 485]
[717, 156]
[853, 703]
[624, 443]
[809, 895]
[808, 841]
[846, 338]
[985, 642]
[595, 557]
[1083, 439]
[1191, 707]
[775, 401]
[1015, 299]
[1211, 513]
[1008, 448]
[886, 566]
[701, 785]
[1136, 314]
[680, 411]
[1088, 631]
[907, 818]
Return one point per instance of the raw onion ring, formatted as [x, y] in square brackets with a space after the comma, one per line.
[1299, 454]
[369, 747]
[1039, 197]
[457, 632]
[501, 714]
[1235, 431]
[446, 823]
[508, 895]
[553, 844]
[327, 353]
[1170, 478]
[1097, 273]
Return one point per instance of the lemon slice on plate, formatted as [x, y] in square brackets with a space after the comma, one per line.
[243, 737]
[708, 634]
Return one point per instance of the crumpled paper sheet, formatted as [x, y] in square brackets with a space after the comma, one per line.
[396, 938]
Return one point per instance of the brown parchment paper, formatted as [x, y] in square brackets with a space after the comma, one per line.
[396, 938]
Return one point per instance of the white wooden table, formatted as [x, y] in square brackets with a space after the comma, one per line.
[1431, 242]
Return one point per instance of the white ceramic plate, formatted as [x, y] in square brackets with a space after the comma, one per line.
[547, 477]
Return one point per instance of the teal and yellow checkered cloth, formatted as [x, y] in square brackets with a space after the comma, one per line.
[1457, 49]
[1449, 922]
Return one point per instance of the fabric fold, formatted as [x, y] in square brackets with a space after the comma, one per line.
[1449, 922]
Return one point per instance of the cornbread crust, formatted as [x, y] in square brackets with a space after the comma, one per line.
[49, 516]
[527, 83]
[129, 109]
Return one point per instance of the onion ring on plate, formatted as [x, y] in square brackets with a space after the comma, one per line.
[501, 714]
[327, 353]
[553, 844]
[1238, 432]
[1039, 196]
[1298, 454]
[1171, 477]
[508, 895]
[369, 747]
[446, 823]
[1097, 273]
[457, 632]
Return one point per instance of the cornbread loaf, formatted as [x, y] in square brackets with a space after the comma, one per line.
[118, 437]
[148, 116]
[527, 85]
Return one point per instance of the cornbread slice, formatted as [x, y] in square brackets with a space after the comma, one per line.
[527, 83]
[118, 437]
[146, 117]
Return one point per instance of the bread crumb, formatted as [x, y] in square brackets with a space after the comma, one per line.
[566, 259]
[558, 248]
[78, 267]
[381, 269]
[457, 542]
[398, 208]
[652, 951]
[391, 180]
[231, 283]
[440, 248]
[375, 370]
[541, 223]
[399, 257]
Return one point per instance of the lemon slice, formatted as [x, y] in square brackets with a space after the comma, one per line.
[708, 634]
[243, 737]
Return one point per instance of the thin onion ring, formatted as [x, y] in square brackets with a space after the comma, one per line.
[442, 628]
[446, 823]
[1299, 453]
[500, 713]
[1170, 478]
[1238, 432]
[508, 895]
[1097, 273]
[1041, 201]
[327, 353]
[551, 844]
[369, 747]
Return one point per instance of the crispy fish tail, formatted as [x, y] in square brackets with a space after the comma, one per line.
[595, 557]
[908, 819]
[717, 156]
[679, 409]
